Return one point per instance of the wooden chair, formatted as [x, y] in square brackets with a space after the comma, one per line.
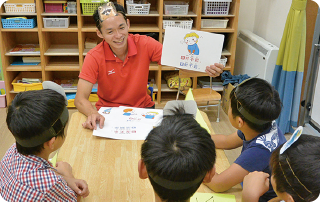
[201, 95]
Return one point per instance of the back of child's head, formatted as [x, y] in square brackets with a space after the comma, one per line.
[177, 155]
[297, 170]
[31, 115]
[257, 98]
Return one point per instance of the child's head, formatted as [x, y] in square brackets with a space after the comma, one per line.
[177, 157]
[35, 117]
[296, 172]
[256, 102]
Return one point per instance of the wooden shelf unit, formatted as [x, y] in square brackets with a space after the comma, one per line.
[62, 51]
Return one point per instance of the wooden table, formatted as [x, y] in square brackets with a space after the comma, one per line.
[110, 167]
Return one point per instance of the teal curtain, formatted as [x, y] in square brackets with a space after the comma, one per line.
[288, 73]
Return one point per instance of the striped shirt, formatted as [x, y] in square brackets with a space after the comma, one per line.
[31, 178]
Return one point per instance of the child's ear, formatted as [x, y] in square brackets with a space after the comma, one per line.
[239, 121]
[209, 175]
[50, 143]
[143, 174]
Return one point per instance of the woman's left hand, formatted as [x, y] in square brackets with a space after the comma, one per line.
[214, 70]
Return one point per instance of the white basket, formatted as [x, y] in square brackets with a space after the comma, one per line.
[185, 23]
[216, 7]
[56, 22]
[223, 60]
[176, 8]
[72, 7]
[20, 8]
[214, 23]
[142, 9]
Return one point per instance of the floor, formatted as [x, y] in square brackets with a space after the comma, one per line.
[223, 127]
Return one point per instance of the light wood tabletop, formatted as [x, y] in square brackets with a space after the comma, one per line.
[110, 167]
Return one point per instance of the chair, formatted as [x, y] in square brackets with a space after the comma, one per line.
[201, 95]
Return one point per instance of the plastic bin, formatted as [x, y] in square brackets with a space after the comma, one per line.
[176, 7]
[19, 23]
[72, 7]
[214, 23]
[185, 23]
[53, 8]
[56, 22]
[89, 6]
[19, 87]
[20, 8]
[223, 60]
[216, 7]
[134, 8]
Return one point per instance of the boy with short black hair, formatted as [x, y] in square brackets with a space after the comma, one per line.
[255, 104]
[177, 157]
[37, 120]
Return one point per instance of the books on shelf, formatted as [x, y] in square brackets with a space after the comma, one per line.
[29, 80]
[26, 49]
[204, 82]
[67, 84]
[90, 43]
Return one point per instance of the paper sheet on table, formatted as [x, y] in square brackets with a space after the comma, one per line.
[191, 49]
[212, 197]
[128, 123]
[199, 117]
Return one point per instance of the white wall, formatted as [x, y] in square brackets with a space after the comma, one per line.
[266, 18]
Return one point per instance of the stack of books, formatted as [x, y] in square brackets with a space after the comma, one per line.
[204, 82]
[29, 80]
[67, 84]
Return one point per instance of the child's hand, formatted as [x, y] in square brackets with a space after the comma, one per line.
[64, 169]
[78, 186]
[255, 184]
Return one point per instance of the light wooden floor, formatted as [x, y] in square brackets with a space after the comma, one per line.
[223, 127]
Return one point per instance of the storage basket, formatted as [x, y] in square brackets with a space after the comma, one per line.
[216, 7]
[223, 60]
[18, 87]
[53, 8]
[89, 6]
[185, 23]
[19, 23]
[214, 23]
[134, 8]
[56, 22]
[20, 8]
[176, 8]
[72, 7]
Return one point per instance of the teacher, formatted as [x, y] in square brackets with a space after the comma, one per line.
[120, 66]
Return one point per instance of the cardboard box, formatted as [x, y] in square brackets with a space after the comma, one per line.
[226, 97]
[20, 1]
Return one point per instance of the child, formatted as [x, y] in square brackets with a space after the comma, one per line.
[191, 40]
[37, 120]
[254, 106]
[295, 173]
[177, 157]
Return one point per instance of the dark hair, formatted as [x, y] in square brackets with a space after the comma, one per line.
[178, 150]
[259, 99]
[303, 157]
[33, 112]
[118, 7]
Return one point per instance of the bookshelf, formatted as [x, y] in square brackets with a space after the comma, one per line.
[62, 50]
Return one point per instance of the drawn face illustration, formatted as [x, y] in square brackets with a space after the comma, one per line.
[191, 40]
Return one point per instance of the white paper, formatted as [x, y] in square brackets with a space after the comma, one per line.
[128, 123]
[191, 49]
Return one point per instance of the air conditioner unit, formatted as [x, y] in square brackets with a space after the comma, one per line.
[255, 56]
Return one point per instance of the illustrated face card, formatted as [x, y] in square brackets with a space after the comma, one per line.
[191, 49]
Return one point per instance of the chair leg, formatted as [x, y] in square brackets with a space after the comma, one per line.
[218, 119]
[207, 105]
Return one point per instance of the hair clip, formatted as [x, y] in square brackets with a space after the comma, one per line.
[295, 136]
[107, 10]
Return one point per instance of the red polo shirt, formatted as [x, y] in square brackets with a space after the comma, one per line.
[122, 83]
